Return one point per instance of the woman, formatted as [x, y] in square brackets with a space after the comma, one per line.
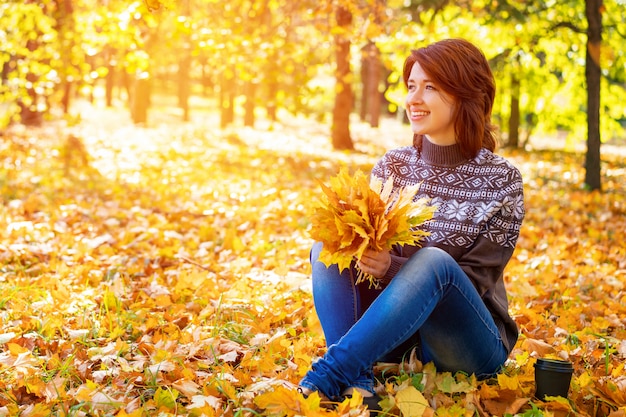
[447, 299]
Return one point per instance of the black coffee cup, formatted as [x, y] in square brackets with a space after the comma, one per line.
[552, 378]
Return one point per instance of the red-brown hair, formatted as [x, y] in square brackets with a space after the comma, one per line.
[460, 69]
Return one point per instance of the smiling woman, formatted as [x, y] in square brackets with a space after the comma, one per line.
[445, 300]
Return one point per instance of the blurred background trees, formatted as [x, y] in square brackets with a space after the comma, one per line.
[560, 66]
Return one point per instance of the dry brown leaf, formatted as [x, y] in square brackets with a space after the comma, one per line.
[538, 348]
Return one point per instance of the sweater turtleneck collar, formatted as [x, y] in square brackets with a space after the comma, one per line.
[433, 154]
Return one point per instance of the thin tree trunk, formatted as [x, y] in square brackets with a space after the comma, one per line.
[271, 106]
[364, 80]
[109, 83]
[67, 93]
[64, 16]
[248, 118]
[184, 84]
[514, 119]
[184, 67]
[270, 91]
[141, 99]
[374, 74]
[227, 97]
[343, 90]
[593, 76]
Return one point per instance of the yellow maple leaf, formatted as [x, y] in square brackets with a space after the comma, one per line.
[350, 403]
[522, 359]
[508, 382]
[584, 380]
[411, 402]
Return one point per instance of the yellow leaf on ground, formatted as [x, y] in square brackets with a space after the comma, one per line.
[584, 380]
[508, 382]
[411, 402]
[16, 349]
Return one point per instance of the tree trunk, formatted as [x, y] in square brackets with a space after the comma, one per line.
[272, 87]
[67, 93]
[248, 118]
[343, 90]
[227, 98]
[271, 106]
[184, 83]
[141, 99]
[109, 83]
[373, 74]
[364, 80]
[208, 82]
[593, 76]
[514, 119]
[65, 24]
[127, 83]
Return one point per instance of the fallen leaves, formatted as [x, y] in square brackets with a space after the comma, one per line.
[171, 279]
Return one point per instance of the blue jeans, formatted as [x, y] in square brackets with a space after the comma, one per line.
[430, 303]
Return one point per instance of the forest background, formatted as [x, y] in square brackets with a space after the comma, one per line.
[159, 160]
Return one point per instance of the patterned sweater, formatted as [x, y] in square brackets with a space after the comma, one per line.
[480, 211]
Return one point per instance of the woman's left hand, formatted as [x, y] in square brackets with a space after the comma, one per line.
[375, 263]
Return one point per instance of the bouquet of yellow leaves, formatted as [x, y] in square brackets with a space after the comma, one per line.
[357, 214]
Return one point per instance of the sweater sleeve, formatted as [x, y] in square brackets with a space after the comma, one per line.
[396, 263]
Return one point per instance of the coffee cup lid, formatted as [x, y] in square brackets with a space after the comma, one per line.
[554, 365]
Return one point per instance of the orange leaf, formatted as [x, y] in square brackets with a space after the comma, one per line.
[289, 402]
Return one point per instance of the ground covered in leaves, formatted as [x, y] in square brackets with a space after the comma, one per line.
[163, 271]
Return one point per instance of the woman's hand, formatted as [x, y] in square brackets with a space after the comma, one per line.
[375, 263]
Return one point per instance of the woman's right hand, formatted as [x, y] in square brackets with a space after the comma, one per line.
[375, 263]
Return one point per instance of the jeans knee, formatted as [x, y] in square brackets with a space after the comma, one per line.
[429, 264]
[437, 254]
[431, 257]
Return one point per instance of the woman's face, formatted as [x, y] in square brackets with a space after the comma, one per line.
[429, 109]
